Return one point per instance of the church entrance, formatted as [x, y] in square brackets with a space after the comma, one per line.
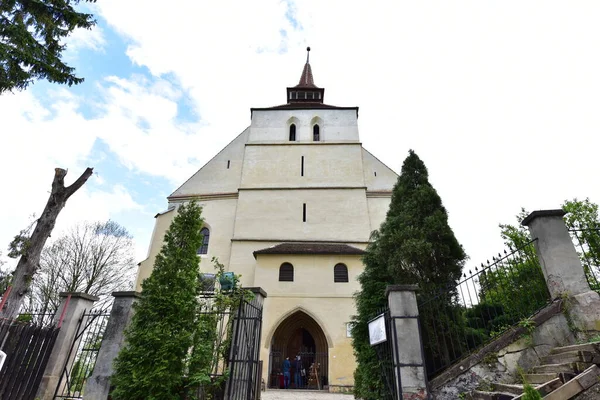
[300, 339]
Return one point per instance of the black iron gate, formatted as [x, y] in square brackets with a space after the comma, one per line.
[244, 382]
[82, 354]
[388, 360]
[27, 347]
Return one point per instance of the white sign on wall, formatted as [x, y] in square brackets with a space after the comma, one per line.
[2, 359]
[377, 331]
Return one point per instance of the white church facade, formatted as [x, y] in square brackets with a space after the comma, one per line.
[289, 205]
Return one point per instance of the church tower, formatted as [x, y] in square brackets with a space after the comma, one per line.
[289, 205]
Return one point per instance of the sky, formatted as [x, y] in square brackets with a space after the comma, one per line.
[499, 99]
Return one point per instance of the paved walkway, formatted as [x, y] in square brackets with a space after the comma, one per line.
[303, 395]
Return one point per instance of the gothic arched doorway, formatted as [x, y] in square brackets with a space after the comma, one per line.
[299, 335]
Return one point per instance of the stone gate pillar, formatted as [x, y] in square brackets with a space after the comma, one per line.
[67, 317]
[562, 267]
[408, 349]
[98, 384]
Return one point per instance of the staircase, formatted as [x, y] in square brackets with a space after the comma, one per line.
[564, 373]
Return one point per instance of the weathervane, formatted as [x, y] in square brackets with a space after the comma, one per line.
[307, 54]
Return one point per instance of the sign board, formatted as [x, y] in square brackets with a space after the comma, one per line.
[377, 331]
[2, 359]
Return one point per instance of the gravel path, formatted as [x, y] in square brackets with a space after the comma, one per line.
[303, 395]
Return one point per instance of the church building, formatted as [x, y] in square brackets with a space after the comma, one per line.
[289, 205]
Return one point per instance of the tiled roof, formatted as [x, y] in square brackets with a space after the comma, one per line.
[306, 79]
[305, 105]
[311, 248]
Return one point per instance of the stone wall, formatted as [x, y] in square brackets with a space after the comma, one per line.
[502, 359]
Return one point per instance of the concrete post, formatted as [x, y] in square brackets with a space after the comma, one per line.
[67, 317]
[408, 349]
[98, 384]
[562, 267]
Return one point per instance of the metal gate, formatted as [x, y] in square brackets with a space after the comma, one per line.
[244, 382]
[82, 354]
[388, 361]
[27, 347]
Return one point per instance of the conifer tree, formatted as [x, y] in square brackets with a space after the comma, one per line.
[414, 245]
[155, 359]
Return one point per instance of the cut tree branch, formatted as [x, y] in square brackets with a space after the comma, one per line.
[30, 258]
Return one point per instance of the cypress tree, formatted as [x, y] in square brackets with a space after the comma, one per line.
[414, 245]
[155, 359]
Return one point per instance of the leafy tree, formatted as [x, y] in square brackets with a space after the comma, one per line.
[31, 33]
[155, 358]
[414, 245]
[368, 381]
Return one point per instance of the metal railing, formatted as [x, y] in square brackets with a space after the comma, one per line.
[389, 360]
[82, 354]
[587, 244]
[485, 303]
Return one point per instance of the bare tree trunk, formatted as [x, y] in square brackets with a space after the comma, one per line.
[30, 259]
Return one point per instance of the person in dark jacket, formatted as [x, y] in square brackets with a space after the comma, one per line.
[297, 377]
[286, 373]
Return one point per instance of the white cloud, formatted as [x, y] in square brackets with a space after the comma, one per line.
[81, 38]
[500, 100]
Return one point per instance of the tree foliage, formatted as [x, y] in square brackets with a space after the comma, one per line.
[31, 41]
[414, 245]
[180, 334]
[155, 358]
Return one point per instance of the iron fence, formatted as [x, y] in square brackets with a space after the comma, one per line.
[244, 361]
[587, 243]
[485, 303]
[216, 322]
[388, 360]
[27, 347]
[82, 354]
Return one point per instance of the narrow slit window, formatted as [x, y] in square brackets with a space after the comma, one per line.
[316, 133]
[304, 212]
[228, 163]
[302, 166]
[292, 133]
[205, 239]
[375, 173]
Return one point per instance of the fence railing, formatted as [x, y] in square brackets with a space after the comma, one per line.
[27, 347]
[587, 244]
[82, 354]
[485, 303]
[388, 359]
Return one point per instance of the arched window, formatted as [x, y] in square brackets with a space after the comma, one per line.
[205, 238]
[286, 272]
[316, 133]
[292, 133]
[340, 273]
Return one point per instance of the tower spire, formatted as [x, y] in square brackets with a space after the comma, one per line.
[306, 91]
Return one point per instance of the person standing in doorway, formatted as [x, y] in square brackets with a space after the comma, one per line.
[297, 377]
[286, 373]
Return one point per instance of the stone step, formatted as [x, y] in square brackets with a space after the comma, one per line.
[594, 347]
[536, 379]
[481, 395]
[546, 388]
[576, 367]
[571, 357]
[580, 383]
[508, 388]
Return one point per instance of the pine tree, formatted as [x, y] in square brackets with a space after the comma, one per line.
[155, 359]
[31, 41]
[414, 245]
